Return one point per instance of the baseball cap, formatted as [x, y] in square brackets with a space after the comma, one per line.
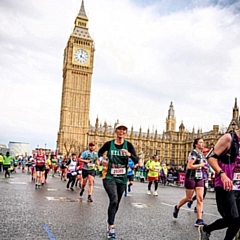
[91, 144]
[120, 125]
[205, 150]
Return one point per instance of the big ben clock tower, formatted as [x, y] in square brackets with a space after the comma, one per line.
[76, 88]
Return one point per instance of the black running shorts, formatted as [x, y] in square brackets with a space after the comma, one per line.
[85, 173]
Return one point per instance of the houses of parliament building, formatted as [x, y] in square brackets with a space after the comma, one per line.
[75, 129]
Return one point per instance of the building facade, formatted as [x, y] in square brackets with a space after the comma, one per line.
[4, 149]
[19, 148]
[172, 145]
[75, 130]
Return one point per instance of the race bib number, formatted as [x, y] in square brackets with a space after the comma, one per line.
[198, 174]
[236, 181]
[91, 165]
[118, 171]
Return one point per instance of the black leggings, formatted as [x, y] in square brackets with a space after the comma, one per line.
[5, 168]
[71, 180]
[114, 191]
[46, 173]
[150, 184]
[228, 204]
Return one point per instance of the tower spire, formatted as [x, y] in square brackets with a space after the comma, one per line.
[82, 13]
[171, 120]
[171, 111]
[81, 24]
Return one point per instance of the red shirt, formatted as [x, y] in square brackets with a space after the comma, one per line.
[40, 160]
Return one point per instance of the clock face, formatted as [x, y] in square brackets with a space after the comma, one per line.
[81, 55]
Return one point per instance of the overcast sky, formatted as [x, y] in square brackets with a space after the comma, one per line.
[148, 53]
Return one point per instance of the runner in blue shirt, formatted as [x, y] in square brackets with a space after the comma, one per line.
[130, 175]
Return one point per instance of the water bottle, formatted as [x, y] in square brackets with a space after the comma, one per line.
[106, 159]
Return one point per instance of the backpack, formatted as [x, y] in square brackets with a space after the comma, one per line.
[229, 156]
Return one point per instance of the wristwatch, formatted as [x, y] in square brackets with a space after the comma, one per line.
[220, 172]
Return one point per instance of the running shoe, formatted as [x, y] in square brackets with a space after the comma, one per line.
[81, 193]
[90, 199]
[155, 193]
[129, 188]
[36, 186]
[189, 204]
[149, 192]
[237, 237]
[175, 212]
[199, 222]
[72, 189]
[203, 235]
[42, 183]
[125, 194]
[111, 233]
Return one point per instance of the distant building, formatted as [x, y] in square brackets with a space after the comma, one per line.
[19, 148]
[47, 151]
[4, 149]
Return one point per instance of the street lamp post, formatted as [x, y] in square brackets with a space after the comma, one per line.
[45, 147]
[87, 140]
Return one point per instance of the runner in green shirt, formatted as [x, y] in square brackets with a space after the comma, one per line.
[114, 171]
[7, 164]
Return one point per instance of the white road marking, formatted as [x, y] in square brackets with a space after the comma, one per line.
[18, 183]
[187, 209]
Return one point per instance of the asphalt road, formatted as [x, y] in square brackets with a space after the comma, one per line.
[54, 213]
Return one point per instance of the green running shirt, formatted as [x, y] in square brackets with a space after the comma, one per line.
[117, 164]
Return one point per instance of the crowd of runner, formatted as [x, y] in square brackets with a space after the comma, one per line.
[119, 169]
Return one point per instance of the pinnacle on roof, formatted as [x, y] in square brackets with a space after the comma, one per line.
[82, 12]
[171, 111]
[235, 105]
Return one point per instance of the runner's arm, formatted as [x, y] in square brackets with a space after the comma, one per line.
[103, 149]
[133, 156]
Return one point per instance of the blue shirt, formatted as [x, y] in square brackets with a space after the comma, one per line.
[92, 156]
[130, 169]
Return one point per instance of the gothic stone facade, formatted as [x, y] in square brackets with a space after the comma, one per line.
[172, 146]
